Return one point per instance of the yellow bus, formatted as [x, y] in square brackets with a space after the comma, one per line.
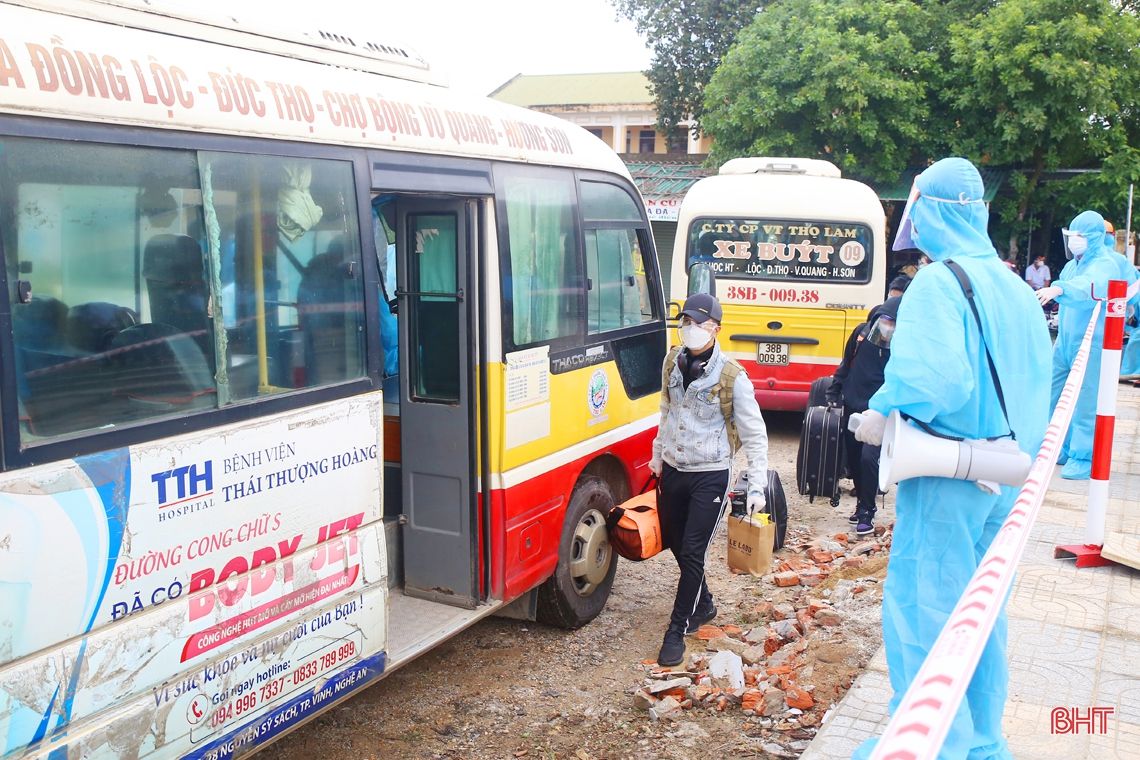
[306, 364]
[799, 258]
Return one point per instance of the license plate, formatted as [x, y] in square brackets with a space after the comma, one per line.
[772, 353]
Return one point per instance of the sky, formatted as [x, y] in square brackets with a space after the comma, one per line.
[477, 45]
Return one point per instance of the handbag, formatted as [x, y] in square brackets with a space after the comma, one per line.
[634, 526]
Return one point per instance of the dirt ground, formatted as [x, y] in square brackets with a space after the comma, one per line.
[509, 689]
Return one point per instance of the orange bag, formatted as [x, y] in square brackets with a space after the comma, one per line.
[634, 526]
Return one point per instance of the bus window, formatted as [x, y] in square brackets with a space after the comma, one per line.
[109, 240]
[434, 309]
[619, 293]
[618, 288]
[287, 230]
[542, 277]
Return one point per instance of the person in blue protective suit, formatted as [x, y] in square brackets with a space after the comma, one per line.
[1093, 264]
[1130, 358]
[939, 375]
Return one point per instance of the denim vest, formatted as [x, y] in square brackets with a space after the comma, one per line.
[693, 435]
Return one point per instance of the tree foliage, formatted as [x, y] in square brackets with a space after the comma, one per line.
[840, 80]
[1043, 85]
[876, 86]
[688, 38]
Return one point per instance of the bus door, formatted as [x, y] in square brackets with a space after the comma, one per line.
[433, 247]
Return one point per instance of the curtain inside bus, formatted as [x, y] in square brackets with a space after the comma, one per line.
[540, 222]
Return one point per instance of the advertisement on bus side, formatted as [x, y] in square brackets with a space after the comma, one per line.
[193, 590]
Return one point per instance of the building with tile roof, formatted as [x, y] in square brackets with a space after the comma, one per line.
[615, 106]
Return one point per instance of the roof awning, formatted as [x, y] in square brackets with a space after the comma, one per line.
[664, 183]
[899, 190]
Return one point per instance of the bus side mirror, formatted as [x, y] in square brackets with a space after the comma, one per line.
[702, 279]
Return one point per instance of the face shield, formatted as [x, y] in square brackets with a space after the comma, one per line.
[881, 331]
[1075, 243]
[905, 237]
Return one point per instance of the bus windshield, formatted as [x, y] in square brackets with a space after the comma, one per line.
[803, 250]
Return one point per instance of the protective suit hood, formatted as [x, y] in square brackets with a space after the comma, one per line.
[948, 216]
[1091, 225]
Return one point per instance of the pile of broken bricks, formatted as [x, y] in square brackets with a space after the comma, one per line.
[816, 559]
[760, 670]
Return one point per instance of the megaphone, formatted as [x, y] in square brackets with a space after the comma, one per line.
[909, 452]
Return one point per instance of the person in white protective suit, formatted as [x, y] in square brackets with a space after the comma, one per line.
[940, 377]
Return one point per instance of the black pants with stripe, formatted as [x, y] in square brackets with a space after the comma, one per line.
[863, 464]
[692, 506]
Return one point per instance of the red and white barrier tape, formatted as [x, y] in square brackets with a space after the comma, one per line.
[920, 724]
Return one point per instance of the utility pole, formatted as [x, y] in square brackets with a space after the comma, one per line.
[1131, 255]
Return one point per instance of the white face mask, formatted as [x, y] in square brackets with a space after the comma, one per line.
[1078, 245]
[694, 337]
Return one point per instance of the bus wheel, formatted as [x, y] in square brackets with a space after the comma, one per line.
[581, 583]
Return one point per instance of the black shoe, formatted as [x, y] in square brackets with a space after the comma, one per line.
[854, 518]
[672, 649]
[865, 526]
[700, 617]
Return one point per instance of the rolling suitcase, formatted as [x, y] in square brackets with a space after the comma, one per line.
[819, 462]
[775, 504]
[817, 396]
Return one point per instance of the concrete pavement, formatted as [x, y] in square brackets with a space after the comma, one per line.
[1074, 635]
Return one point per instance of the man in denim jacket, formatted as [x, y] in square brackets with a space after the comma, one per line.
[693, 455]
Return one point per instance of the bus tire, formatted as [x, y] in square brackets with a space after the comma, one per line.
[581, 583]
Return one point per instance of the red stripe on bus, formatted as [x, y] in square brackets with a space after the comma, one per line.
[784, 388]
[531, 511]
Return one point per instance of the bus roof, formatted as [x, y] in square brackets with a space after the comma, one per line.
[780, 196]
[779, 165]
[122, 62]
[355, 48]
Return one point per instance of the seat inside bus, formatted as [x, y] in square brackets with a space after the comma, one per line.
[95, 363]
[176, 287]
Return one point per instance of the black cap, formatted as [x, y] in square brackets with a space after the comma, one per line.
[901, 283]
[701, 306]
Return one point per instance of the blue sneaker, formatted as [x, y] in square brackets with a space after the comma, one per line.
[1077, 469]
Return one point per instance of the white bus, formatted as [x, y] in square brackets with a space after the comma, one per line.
[306, 364]
[799, 255]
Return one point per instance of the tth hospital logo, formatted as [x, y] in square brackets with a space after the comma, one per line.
[184, 490]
